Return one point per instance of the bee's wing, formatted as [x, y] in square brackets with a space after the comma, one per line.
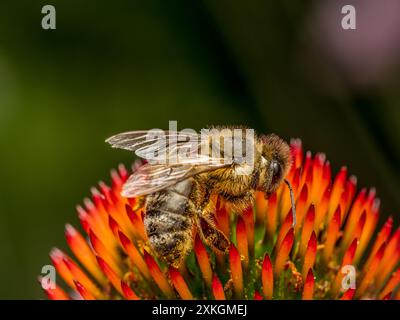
[162, 147]
[159, 173]
[149, 178]
[148, 142]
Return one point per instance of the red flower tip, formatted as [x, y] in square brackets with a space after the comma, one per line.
[128, 292]
[203, 260]
[86, 295]
[110, 274]
[113, 225]
[283, 252]
[236, 270]
[157, 275]
[267, 278]
[242, 241]
[308, 289]
[52, 291]
[309, 258]
[308, 227]
[348, 295]
[332, 235]
[248, 218]
[388, 296]
[134, 254]
[257, 296]
[180, 284]
[218, 290]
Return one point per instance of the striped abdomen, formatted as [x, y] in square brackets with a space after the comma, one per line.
[169, 221]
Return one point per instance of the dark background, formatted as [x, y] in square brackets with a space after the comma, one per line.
[278, 66]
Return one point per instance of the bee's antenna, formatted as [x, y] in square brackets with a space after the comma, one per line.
[292, 200]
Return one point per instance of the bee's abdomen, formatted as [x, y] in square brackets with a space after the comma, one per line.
[168, 222]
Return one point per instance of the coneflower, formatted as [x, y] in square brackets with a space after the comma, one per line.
[269, 258]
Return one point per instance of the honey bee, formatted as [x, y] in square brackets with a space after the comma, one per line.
[178, 193]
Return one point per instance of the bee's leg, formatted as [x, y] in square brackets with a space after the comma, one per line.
[211, 234]
[203, 215]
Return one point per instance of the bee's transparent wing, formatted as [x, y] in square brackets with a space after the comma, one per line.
[183, 147]
[147, 142]
[184, 154]
[149, 178]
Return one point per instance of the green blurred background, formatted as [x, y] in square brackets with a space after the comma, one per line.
[278, 66]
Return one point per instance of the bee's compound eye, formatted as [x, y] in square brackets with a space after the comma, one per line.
[276, 171]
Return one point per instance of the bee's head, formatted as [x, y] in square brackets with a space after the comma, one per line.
[276, 162]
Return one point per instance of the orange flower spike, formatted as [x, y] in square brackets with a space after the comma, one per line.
[82, 278]
[114, 227]
[308, 227]
[103, 252]
[306, 167]
[85, 294]
[296, 149]
[287, 224]
[248, 218]
[222, 218]
[218, 290]
[354, 215]
[99, 205]
[348, 295]
[267, 278]
[52, 290]
[351, 187]
[123, 172]
[308, 289]
[350, 253]
[88, 221]
[83, 252]
[391, 285]
[283, 252]
[309, 258]
[382, 237]
[322, 210]
[242, 243]
[331, 236]
[296, 182]
[110, 274]
[343, 203]
[347, 260]
[137, 223]
[271, 215]
[302, 206]
[128, 293]
[369, 229]
[116, 181]
[134, 254]
[180, 284]
[358, 230]
[203, 260]
[57, 258]
[371, 271]
[390, 258]
[157, 275]
[326, 175]
[236, 271]
[317, 172]
[284, 204]
[261, 205]
[337, 190]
